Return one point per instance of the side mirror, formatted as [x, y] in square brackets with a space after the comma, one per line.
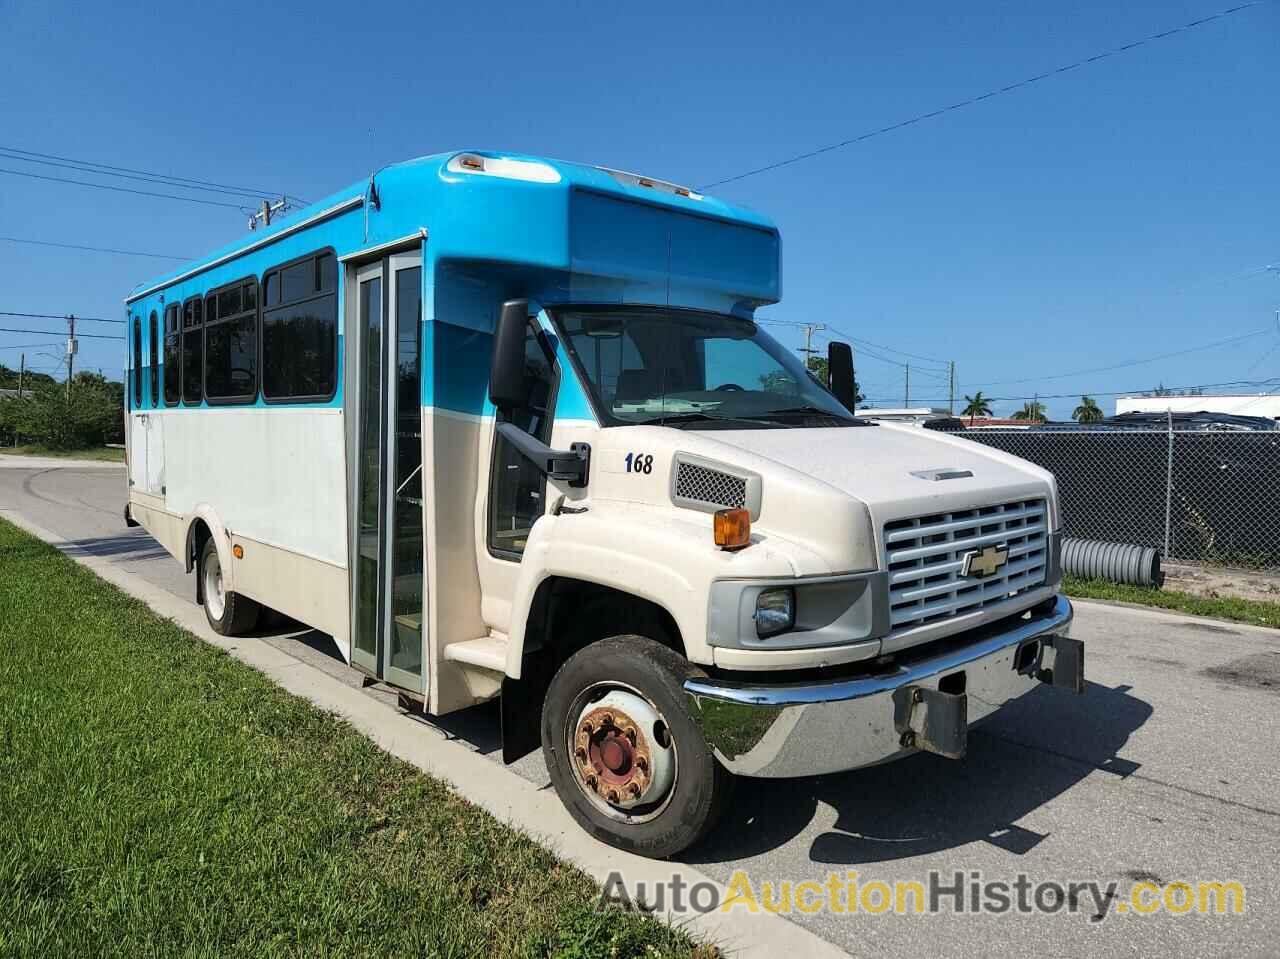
[840, 373]
[506, 366]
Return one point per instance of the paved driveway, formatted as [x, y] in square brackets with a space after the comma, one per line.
[1167, 770]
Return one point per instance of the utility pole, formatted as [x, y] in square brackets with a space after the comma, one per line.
[71, 352]
[22, 372]
[951, 394]
[906, 387]
[808, 349]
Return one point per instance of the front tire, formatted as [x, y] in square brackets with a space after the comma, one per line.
[230, 614]
[627, 758]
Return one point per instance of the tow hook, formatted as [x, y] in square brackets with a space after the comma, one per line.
[1067, 671]
[932, 720]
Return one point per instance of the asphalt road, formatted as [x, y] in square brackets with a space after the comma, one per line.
[1167, 770]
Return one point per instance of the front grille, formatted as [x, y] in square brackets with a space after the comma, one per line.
[925, 558]
[704, 485]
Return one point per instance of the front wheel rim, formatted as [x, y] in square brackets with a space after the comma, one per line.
[214, 597]
[621, 753]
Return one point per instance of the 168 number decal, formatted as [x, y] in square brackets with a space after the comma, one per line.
[639, 463]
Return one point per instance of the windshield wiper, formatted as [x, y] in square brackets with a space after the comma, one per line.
[676, 419]
[816, 411]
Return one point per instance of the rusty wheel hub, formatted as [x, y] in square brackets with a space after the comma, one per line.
[619, 753]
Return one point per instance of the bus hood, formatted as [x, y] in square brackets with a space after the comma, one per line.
[897, 471]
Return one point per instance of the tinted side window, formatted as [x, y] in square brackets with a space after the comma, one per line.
[153, 354]
[231, 343]
[137, 363]
[517, 489]
[193, 351]
[300, 334]
[172, 356]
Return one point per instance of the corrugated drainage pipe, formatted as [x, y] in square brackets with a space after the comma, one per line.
[1117, 562]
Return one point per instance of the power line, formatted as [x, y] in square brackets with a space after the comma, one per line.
[27, 346]
[91, 336]
[110, 170]
[1120, 366]
[63, 316]
[94, 249]
[123, 189]
[128, 176]
[985, 96]
[889, 349]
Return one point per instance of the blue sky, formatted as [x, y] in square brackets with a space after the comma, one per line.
[1109, 214]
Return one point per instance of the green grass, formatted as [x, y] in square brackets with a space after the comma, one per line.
[106, 454]
[1255, 612]
[158, 797]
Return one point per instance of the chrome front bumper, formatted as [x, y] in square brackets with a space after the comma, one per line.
[783, 730]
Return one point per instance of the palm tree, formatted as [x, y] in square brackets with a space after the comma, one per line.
[976, 405]
[1088, 411]
[1032, 411]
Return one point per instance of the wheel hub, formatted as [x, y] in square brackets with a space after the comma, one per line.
[213, 586]
[618, 750]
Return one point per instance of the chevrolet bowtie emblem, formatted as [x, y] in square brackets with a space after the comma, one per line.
[984, 562]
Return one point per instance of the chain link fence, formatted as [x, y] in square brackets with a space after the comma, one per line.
[1204, 496]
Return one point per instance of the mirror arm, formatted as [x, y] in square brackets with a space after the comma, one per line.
[569, 466]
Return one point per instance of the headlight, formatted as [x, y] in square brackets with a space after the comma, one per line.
[775, 611]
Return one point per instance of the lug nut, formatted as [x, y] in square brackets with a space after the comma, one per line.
[606, 719]
[634, 789]
[642, 764]
[613, 795]
[581, 753]
[588, 728]
[631, 734]
[591, 781]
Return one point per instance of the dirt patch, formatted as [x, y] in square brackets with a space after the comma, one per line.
[1216, 582]
[1259, 671]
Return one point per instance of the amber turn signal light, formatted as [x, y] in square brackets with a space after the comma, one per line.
[732, 528]
[237, 551]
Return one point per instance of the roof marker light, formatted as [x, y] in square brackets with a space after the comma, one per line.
[648, 182]
[528, 170]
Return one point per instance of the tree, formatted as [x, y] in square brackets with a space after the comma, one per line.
[1033, 411]
[1088, 411]
[93, 415]
[976, 405]
[817, 367]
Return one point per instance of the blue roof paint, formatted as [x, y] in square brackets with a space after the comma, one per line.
[589, 238]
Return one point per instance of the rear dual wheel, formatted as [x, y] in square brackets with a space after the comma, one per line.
[627, 758]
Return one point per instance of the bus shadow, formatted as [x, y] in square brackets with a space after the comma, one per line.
[1034, 750]
[131, 547]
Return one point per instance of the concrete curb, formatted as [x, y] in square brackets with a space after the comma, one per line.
[509, 797]
[20, 462]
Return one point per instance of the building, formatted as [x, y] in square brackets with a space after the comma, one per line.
[1252, 404]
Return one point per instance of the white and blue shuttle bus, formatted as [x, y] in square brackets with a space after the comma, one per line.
[505, 426]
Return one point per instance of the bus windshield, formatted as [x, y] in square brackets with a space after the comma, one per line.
[684, 367]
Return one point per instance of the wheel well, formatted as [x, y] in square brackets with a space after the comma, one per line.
[198, 533]
[567, 615]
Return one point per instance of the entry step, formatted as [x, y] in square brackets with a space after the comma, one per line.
[487, 652]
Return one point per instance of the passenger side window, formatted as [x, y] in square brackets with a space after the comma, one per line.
[193, 351]
[153, 354]
[517, 489]
[172, 356]
[300, 330]
[231, 343]
[137, 363]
